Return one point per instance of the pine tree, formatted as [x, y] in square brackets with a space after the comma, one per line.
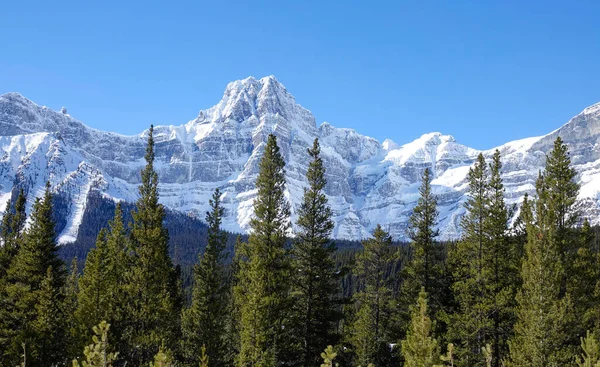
[263, 288]
[502, 260]
[93, 298]
[152, 283]
[591, 352]
[371, 327]
[328, 356]
[584, 280]
[541, 331]
[35, 276]
[96, 354]
[424, 268]
[48, 346]
[164, 358]
[470, 324]
[70, 308]
[419, 348]
[204, 323]
[11, 233]
[316, 287]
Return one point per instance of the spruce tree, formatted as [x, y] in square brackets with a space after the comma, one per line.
[584, 281]
[424, 268]
[419, 348]
[590, 356]
[93, 300]
[204, 323]
[503, 261]
[11, 232]
[541, 330]
[263, 288]
[469, 325]
[316, 287]
[97, 354]
[69, 309]
[153, 318]
[370, 330]
[36, 275]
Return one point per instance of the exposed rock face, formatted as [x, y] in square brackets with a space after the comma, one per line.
[368, 182]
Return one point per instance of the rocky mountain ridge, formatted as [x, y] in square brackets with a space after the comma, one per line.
[368, 182]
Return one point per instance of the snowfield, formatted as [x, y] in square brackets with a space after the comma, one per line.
[368, 182]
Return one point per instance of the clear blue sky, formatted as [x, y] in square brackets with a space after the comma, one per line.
[484, 71]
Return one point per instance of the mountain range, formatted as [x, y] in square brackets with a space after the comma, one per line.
[368, 182]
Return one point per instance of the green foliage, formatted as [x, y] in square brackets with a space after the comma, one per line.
[328, 356]
[541, 331]
[32, 294]
[424, 268]
[11, 233]
[590, 356]
[204, 323]
[485, 269]
[152, 289]
[316, 290]
[419, 348]
[370, 330]
[96, 354]
[164, 358]
[262, 290]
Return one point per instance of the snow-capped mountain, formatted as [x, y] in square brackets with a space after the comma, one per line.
[368, 182]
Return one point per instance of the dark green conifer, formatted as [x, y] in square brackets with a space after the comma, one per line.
[543, 317]
[263, 287]
[204, 323]
[316, 286]
[153, 318]
[424, 267]
[370, 330]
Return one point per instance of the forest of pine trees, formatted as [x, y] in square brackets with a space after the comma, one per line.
[522, 293]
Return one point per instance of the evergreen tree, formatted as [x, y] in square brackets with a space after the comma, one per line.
[470, 324]
[11, 232]
[591, 352]
[419, 348]
[70, 308]
[34, 280]
[424, 267]
[502, 260]
[584, 281]
[204, 322]
[48, 345]
[93, 298]
[328, 356]
[541, 331]
[316, 287]
[153, 317]
[370, 329]
[263, 277]
[96, 354]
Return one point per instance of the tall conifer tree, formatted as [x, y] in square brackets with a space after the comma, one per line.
[370, 330]
[542, 328]
[316, 287]
[502, 259]
[33, 293]
[154, 317]
[424, 269]
[264, 276]
[204, 323]
[470, 324]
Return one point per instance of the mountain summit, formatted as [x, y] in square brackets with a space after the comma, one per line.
[368, 182]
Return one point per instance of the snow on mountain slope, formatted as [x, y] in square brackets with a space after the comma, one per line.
[368, 182]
